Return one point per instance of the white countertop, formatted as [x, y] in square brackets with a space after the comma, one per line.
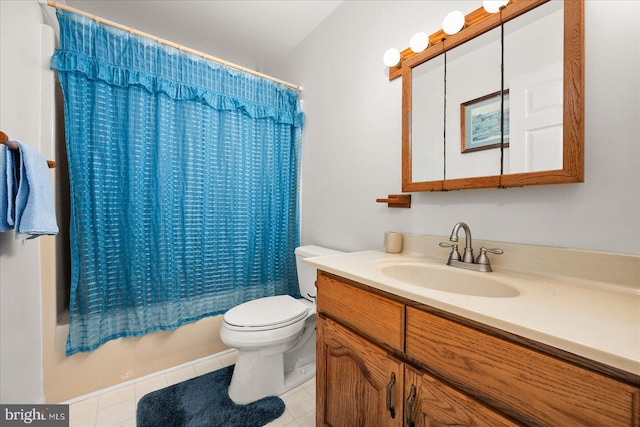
[595, 320]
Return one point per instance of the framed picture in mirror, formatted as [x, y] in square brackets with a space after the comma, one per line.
[480, 122]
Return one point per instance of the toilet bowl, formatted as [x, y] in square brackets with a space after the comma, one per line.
[275, 337]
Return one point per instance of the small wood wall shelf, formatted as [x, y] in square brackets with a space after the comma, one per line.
[397, 200]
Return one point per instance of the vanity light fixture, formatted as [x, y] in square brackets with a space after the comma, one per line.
[419, 42]
[391, 57]
[453, 22]
[494, 6]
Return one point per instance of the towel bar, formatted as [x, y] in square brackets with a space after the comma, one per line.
[4, 139]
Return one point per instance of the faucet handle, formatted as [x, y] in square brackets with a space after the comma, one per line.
[454, 255]
[483, 258]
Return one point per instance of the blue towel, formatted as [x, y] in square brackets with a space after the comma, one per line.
[5, 198]
[35, 213]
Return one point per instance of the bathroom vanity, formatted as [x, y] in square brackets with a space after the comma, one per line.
[392, 353]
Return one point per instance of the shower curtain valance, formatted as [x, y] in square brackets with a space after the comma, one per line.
[119, 58]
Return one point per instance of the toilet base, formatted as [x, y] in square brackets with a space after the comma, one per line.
[262, 373]
[256, 376]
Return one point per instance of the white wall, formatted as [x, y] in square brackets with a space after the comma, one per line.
[353, 135]
[352, 153]
[24, 81]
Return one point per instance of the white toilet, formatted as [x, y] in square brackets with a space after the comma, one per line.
[275, 337]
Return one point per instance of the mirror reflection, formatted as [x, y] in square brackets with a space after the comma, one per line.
[453, 137]
[427, 121]
[533, 69]
[473, 73]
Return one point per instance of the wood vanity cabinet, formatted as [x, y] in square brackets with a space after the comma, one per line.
[386, 361]
[362, 382]
[430, 402]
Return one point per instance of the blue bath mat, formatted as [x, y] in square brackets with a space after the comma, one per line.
[204, 402]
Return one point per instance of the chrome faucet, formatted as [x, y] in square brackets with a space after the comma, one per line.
[467, 261]
[467, 255]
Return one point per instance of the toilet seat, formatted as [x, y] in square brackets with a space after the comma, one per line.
[266, 314]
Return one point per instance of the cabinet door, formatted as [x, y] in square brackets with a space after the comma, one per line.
[540, 388]
[431, 403]
[358, 383]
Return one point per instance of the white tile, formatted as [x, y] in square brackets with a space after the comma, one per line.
[83, 407]
[229, 359]
[182, 374]
[207, 366]
[127, 423]
[311, 390]
[299, 403]
[88, 420]
[116, 396]
[116, 415]
[149, 385]
[292, 391]
[117, 408]
[307, 420]
[285, 418]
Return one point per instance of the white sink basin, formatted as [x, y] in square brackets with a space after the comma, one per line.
[448, 279]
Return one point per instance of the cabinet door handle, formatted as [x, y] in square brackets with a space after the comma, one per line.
[410, 399]
[392, 411]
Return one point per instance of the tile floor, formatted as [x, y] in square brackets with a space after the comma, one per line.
[116, 406]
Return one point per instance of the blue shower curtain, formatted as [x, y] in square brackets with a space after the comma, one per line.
[184, 184]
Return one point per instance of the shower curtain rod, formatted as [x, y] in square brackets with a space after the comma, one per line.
[165, 42]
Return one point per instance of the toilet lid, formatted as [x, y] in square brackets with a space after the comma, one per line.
[269, 311]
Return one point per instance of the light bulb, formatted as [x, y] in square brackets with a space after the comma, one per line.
[419, 42]
[391, 57]
[493, 6]
[453, 22]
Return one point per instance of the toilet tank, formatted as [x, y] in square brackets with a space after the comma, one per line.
[307, 273]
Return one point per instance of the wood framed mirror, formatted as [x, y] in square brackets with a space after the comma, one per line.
[438, 88]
